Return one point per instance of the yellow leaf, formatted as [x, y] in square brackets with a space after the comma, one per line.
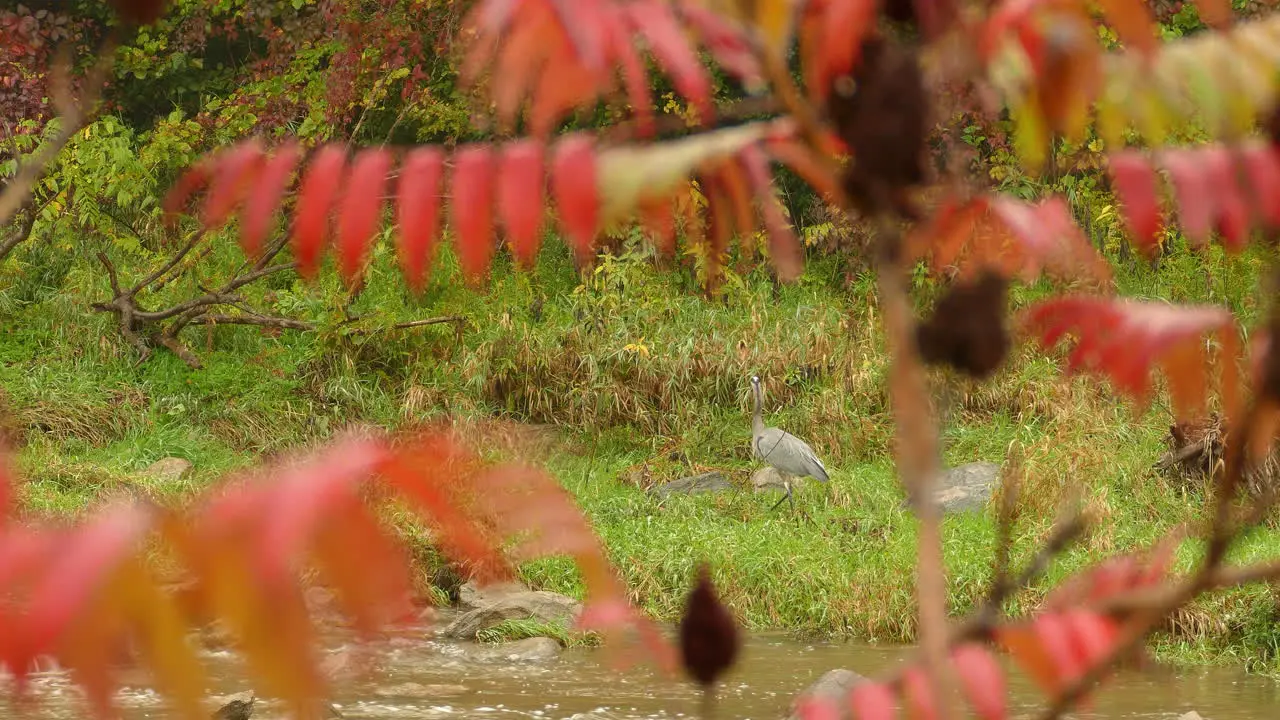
[1030, 136]
[163, 639]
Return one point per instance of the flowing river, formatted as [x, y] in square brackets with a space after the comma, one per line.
[413, 677]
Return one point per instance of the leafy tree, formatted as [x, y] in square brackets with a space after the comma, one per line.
[856, 129]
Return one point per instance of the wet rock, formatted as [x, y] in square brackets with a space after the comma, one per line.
[708, 482]
[239, 707]
[472, 596]
[834, 685]
[967, 487]
[168, 469]
[1192, 715]
[538, 649]
[538, 605]
[419, 690]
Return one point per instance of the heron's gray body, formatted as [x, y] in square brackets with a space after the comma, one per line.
[787, 453]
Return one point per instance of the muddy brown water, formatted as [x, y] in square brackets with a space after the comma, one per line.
[413, 677]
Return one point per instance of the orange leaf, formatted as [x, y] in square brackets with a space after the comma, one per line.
[361, 211]
[255, 214]
[472, 209]
[574, 187]
[1216, 13]
[565, 84]
[659, 217]
[1024, 645]
[81, 569]
[871, 701]
[1133, 23]
[316, 194]
[982, 681]
[419, 212]
[845, 24]
[521, 197]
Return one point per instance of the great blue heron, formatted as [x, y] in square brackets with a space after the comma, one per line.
[788, 454]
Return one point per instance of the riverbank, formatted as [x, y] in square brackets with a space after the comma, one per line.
[636, 380]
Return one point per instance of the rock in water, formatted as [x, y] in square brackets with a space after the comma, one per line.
[536, 649]
[238, 709]
[834, 686]
[538, 605]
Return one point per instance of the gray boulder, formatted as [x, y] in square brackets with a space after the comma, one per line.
[538, 605]
[833, 686]
[968, 487]
[708, 482]
[538, 649]
[168, 469]
[472, 596]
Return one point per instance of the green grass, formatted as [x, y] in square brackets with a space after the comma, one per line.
[512, 630]
[642, 381]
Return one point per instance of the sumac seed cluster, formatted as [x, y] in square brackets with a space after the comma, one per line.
[967, 328]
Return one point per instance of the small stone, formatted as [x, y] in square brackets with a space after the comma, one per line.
[168, 469]
[708, 482]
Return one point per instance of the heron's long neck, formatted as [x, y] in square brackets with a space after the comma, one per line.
[757, 420]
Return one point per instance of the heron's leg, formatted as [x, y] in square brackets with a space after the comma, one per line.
[786, 483]
[791, 498]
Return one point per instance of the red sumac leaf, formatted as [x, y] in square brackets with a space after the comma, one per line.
[1137, 189]
[1024, 645]
[634, 76]
[361, 211]
[188, 184]
[982, 681]
[1055, 642]
[418, 212]
[258, 209]
[784, 247]
[235, 172]
[522, 197]
[575, 189]
[1091, 635]
[872, 701]
[817, 708]
[1232, 212]
[729, 48]
[472, 209]
[918, 693]
[1123, 339]
[1196, 206]
[316, 194]
[1262, 168]
[654, 20]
